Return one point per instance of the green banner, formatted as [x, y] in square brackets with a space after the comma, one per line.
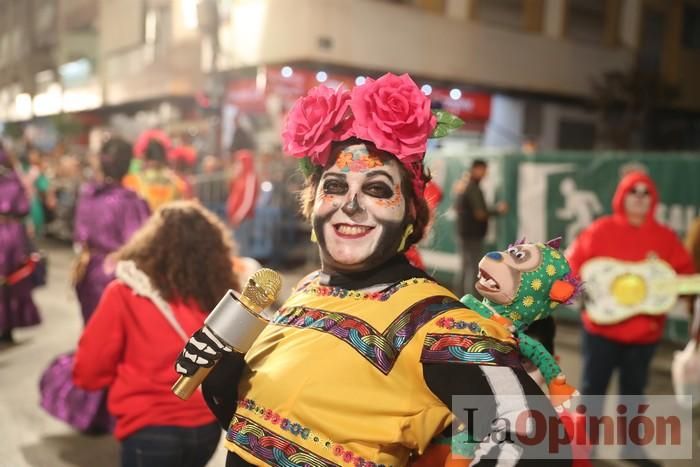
[558, 194]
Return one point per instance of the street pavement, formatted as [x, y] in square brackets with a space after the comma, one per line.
[31, 438]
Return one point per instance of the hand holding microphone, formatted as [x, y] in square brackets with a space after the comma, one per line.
[203, 350]
[234, 324]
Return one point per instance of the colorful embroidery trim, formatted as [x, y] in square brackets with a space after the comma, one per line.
[276, 419]
[297, 429]
[381, 295]
[458, 348]
[270, 447]
[276, 450]
[380, 349]
[451, 323]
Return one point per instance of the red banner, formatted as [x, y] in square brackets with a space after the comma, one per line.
[470, 106]
[244, 93]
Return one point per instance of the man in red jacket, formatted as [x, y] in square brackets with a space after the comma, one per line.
[630, 234]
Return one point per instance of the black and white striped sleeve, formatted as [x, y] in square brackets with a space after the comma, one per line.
[500, 395]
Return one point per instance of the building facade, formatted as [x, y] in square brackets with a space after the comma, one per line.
[545, 65]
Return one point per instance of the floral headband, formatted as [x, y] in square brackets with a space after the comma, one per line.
[390, 112]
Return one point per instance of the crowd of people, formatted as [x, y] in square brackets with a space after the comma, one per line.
[163, 169]
[360, 365]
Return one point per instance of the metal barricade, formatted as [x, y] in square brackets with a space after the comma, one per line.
[212, 191]
[274, 235]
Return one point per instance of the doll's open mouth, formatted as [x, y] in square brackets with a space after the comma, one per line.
[487, 282]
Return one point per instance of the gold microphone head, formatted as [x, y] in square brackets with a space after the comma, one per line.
[261, 290]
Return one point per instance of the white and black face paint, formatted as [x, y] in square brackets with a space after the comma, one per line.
[359, 213]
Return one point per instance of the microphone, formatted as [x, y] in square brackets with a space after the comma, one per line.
[236, 321]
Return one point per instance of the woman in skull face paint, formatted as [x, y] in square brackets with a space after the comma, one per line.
[359, 366]
[361, 207]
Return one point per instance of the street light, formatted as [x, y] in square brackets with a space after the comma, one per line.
[190, 15]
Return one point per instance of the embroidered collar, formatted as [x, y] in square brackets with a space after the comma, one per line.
[397, 269]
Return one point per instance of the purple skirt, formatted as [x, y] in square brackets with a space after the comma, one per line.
[90, 288]
[17, 309]
[85, 411]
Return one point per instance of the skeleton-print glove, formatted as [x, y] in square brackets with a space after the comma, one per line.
[203, 350]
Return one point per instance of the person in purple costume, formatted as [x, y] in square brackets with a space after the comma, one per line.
[17, 309]
[107, 215]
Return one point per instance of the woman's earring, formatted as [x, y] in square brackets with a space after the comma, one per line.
[407, 232]
[313, 236]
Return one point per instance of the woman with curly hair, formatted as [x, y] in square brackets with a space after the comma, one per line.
[168, 276]
[359, 366]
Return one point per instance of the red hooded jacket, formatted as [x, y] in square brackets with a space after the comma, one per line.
[614, 237]
[244, 190]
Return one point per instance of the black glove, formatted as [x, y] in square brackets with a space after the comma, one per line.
[203, 350]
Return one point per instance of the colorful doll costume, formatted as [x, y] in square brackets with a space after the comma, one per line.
[359, 367]
[521, 285]
[543, 282]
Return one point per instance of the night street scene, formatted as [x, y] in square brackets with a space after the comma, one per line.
[349, 233]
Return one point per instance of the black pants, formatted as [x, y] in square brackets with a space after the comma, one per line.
[171, 446]
[601, 357]
[471, 251]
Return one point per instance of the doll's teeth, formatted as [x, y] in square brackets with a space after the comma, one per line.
[490, 283]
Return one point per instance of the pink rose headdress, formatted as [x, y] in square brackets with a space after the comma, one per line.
[390, 112]
[146, 137]
[315, 121]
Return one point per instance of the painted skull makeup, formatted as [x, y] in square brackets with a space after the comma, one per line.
[359, 210]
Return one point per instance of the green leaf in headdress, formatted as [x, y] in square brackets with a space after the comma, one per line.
[306, 167]
[446, 123]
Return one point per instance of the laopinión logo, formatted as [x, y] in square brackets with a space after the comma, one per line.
[612, 427]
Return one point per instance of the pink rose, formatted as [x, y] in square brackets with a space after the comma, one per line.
[394, 114]
[315, 121]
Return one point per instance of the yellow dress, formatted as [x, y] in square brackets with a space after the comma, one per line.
[157, 187]
[336, 379]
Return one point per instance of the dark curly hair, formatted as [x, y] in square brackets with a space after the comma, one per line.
[186, 251]
[417, 208]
